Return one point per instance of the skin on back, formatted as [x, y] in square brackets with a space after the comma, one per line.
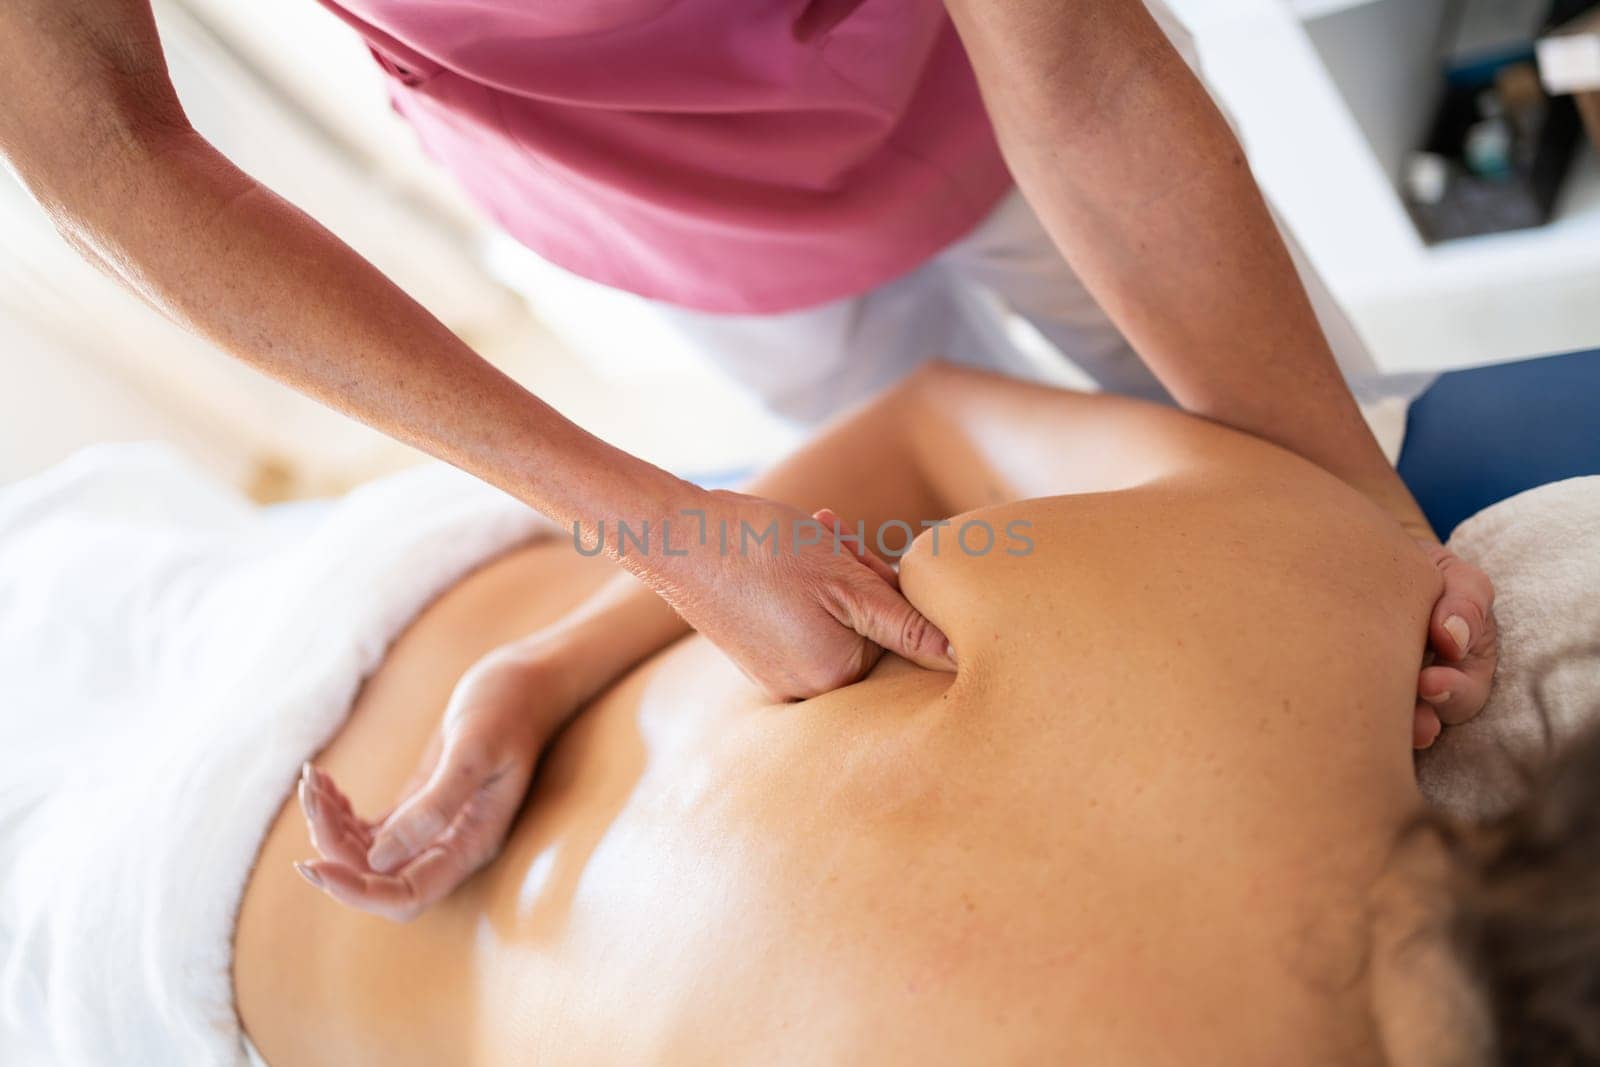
[1139, 825]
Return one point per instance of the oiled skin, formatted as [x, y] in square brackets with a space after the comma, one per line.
[1140, 826]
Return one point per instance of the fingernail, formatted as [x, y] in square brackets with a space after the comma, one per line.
[308, 800]
[1439, 698]
[1456, 627]
[385, 854]
[309, 875]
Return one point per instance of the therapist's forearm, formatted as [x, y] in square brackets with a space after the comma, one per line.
[224, 256]
[1142, 184]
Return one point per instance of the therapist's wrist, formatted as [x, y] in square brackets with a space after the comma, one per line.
[588, 485]
[646, 526]
[1364, 467]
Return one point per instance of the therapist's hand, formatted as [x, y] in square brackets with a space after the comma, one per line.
[453, 816]
[1464, 648]
[799, 613]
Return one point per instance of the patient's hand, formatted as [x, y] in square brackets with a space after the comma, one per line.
[455, 812]
[1464, 646]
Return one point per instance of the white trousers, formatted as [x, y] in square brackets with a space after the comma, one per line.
[967, 305]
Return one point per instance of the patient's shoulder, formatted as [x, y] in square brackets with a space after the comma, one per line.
[1216, 559]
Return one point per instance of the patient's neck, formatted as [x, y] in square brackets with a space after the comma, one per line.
[1427, 1006]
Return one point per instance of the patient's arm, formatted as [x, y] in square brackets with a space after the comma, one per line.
[948, 440]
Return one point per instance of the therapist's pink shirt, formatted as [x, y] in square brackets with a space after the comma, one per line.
[727, 155]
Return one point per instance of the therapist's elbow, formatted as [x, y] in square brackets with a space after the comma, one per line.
[75, 147]
[91, 163]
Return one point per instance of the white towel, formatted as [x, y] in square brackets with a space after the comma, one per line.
[169, 654]
[1542, 550]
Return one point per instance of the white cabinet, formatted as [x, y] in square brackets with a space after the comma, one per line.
[1329, 96]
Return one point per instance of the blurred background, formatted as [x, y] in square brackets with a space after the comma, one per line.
[1431, 174]
[295, 100]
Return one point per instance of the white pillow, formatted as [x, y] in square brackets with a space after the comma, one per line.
[1542, 550]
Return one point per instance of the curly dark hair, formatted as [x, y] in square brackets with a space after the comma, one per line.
[1527, 912]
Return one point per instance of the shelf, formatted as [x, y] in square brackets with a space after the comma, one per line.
[1571, 238]
[1330, 97]
[1492, 298]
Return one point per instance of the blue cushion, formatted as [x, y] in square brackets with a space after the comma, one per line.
[1482, 435]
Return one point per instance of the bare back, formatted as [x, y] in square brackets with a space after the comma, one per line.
[1136, 827]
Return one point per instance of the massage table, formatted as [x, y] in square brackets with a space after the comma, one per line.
[1480, 436]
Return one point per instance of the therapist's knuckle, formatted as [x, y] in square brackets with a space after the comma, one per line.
[834, 593]
[826, 675]
[1484, 589]
[914, 631]
[1470, 611]
[823, 678]
[1464, 579]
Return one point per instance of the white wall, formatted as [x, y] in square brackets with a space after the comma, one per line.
[52, 404]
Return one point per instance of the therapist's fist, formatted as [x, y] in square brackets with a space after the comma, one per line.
[1464, 646]
[798, 610]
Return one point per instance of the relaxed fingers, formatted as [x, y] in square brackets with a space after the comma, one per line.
[332, 834]
[422, 817]
[434, 875]
[329, 796]
[385, 896]
[399, 897]
[324, 784]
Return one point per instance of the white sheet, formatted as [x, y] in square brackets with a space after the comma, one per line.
[168, 657]
[164, 644]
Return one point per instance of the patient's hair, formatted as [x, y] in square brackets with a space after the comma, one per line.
[1527, 917]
